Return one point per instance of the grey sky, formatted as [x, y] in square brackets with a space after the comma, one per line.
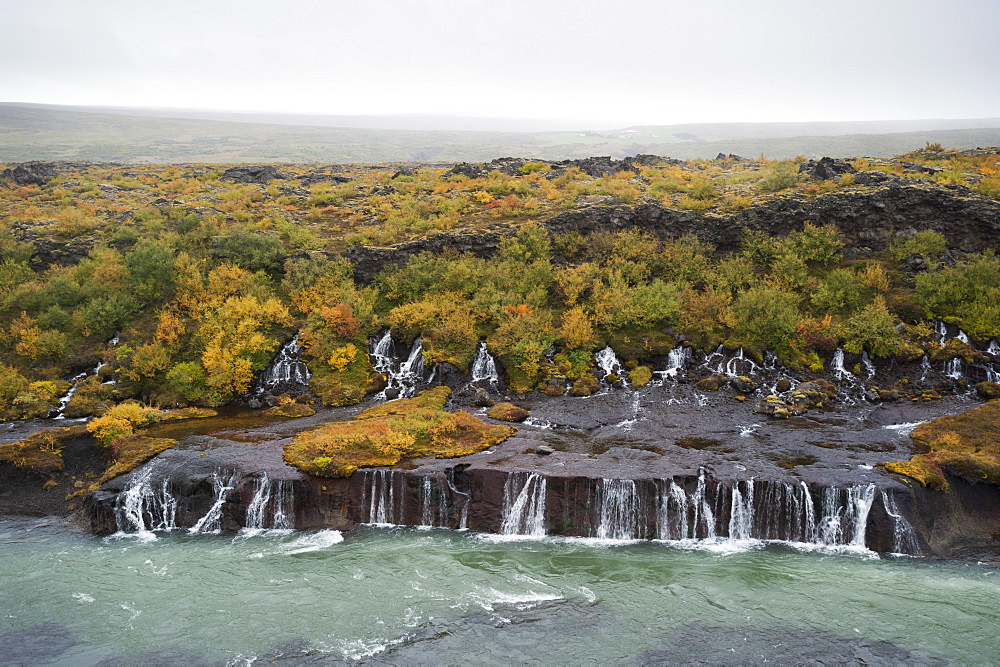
[621, 62]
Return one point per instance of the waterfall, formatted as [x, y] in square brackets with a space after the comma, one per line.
[401, 378]
[709, 358]
[702, 510]
[941, 329]
[837, 366]
[286, 368]
[740, 363]
[271, 500]
[925, 367]
[141, 508]
[869, 367]
[610, 365]
[383, 353]
[433, 503]
[994, 349]
[672, 517]
[676, 361]
[385, 505]
[484, 367]
[953, 368]
[845, 515]
[904, 539]
[741, 512]
[463, 522]
[524, 505]
[962, 337]
[212, 521]
[619, 503]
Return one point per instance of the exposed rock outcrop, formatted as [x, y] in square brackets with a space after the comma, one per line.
[252, 174]
[29, 173]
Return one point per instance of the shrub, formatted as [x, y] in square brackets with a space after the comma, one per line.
[766, 317]
[927, 243]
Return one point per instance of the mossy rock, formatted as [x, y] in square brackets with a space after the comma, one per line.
[640, 376]
[585, 386]
[42, 452]
[182, 414]
[966, 445]
[385, 434]
[553, 388]
[290, 410]
[131, 451]
[988, 390]
[713, 383]
[507, 412]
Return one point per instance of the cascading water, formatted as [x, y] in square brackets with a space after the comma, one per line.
[676, 361]
[867, 364]
[740, 365]
[401, 378]
[433, 503]
[962, 337]
[941, 329]
[994, 348]
[271, 505]
[212, 521]
[837, 366]
[385, 505]
[925, 367]
[609, 364]
[619, 504]
[904, 538]
[286, 368]
[524, 505]
[484, 367]
[143, 507]
[953, 368]
[672, 517]
[68, 396]
[741, 512]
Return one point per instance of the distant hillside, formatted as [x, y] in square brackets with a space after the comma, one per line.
[30, 132]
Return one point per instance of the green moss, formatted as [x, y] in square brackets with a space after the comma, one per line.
[965, 446]
[507, 412]
[131, 451]
[640, 376]
[41, 452]
[387, 433]
[290, 410]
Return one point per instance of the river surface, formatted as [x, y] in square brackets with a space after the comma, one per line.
[439, 596]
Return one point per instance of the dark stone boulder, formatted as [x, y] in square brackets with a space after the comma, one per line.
[988, 390]
[29, 173]
[251, 174]
[826, 168]
[312, 179]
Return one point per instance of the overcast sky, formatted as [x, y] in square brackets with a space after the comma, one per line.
[620, 63]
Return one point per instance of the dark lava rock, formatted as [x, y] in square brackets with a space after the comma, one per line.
[391, 393]
[251, 174]
[312, 179]
[826, 168]
[544, 450]
[783, 385]
[722, 157]
[29, 173]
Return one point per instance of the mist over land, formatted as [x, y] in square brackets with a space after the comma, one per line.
[162, 135]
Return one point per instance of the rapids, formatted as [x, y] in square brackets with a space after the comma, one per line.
[441, 596]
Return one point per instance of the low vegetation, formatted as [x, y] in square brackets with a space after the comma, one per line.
[178, 284]
[966, 446]
[388, 433]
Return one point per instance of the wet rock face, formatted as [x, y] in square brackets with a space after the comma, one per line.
[251, 174]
